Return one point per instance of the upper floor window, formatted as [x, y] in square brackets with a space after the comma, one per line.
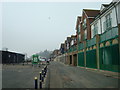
[79, 28]
[72, 42]
[67, 45]
[79, 37]
[108, 22]
[84, 25]
[95, 29]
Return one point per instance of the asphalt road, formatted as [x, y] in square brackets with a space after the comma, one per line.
[19, 76]
[64, 76]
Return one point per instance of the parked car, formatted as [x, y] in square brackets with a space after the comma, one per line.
[43, 61]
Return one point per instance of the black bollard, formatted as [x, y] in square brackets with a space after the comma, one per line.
[40, 81]
[40, 84]
[42, 78]
[42, 75]
[36, 83]
[46, 68]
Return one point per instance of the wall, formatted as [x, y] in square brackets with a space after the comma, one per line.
[11, 57]
[118, 14]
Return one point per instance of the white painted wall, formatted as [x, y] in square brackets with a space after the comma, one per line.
[118, 14]
[113, 16]
[92, 28]
[99, 27]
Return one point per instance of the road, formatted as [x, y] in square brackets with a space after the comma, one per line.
[58, 76]
[19, 76]
[64, 76]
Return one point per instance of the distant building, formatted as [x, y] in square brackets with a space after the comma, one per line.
[55, 52]
[11, 57]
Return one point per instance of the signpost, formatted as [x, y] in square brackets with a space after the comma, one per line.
[35, 59]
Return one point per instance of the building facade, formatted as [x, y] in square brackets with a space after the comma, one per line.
[97, 40]
[12, 57]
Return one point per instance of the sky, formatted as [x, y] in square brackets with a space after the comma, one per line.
[31, 27]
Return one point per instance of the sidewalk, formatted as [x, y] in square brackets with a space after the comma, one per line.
[104, 72]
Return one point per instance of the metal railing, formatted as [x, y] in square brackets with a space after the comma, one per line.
[110, 34]
[91, 42]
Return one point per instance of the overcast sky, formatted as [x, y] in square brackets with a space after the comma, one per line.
[31, 27]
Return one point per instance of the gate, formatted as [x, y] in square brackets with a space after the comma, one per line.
[91, 61]
[81, 59]
[75, 59]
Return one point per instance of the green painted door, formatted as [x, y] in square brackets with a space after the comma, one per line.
[91, 61]
[81, 59]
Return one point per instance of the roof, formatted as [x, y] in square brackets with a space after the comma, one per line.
[79, 17]
[73, 35]
[91, 12]
[105, 5]
[12, 52]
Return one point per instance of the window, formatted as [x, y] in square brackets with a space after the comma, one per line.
[79, 28]
[9, 56]
[72, 42]
[67, 45]
[85, 34]
[95, 30]
[79, 37]
[108, 22]
[84, 25]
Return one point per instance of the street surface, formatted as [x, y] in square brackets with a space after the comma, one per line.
[64, 76]
[59, 75]
[19, 76]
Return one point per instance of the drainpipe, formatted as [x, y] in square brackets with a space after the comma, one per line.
[100, 24]
[85, 53]
[118, 27]
[97, 51]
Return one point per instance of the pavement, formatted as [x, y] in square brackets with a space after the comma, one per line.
[19, 76]
[64, 76]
